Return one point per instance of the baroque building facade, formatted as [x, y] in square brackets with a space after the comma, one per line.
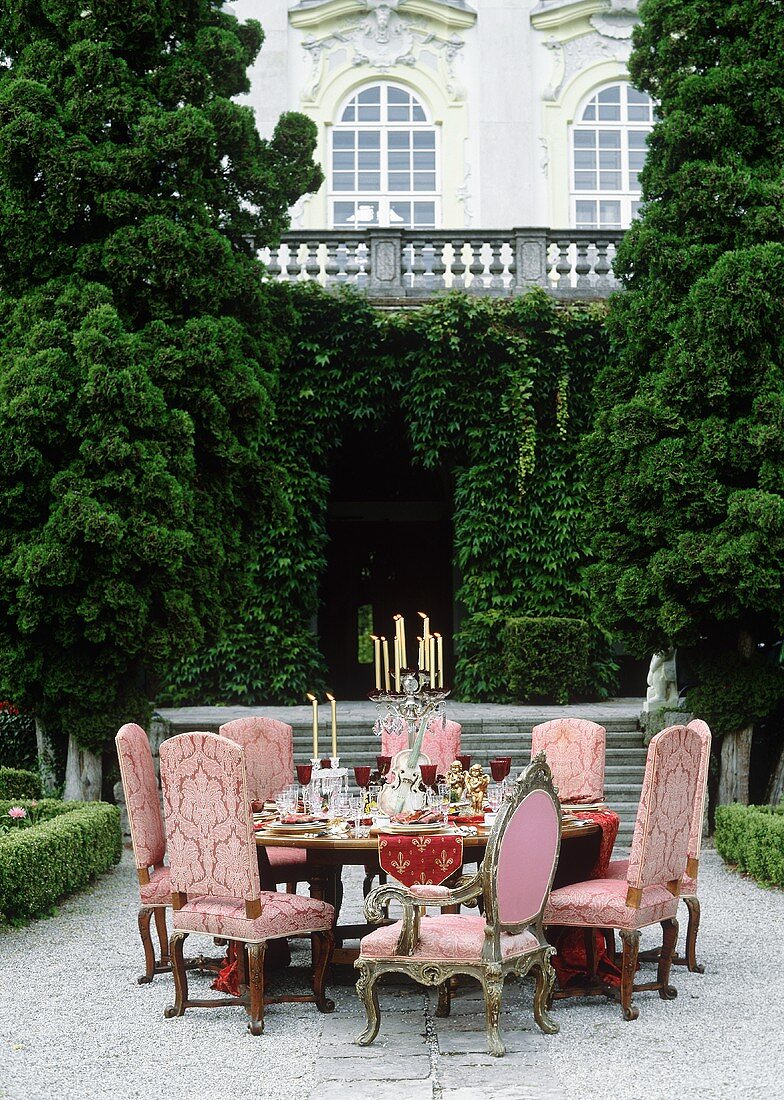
[439, 114]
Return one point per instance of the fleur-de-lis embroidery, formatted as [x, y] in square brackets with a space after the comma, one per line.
[424, 880]
[399, 864]
[421, 842]
[444, 862]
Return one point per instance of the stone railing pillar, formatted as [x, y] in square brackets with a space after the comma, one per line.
[386, 263]
[530, 250]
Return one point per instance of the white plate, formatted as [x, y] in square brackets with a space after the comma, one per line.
[298, 827]
[413, 828]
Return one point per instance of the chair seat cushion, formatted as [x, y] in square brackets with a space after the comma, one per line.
[619, 868]
[158, 890]
[281, 915]
[601, 903]
[449, 936]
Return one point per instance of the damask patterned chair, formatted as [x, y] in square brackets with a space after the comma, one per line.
[441, 743]
[149, 842]
[649, 892]
[575, 750]
[269, 758]
[215, 876]
[514, 881]
[619, 867]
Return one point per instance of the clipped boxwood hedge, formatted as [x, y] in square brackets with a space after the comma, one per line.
[546, 659]
[69, 845]
[752, 837]
[19, 783]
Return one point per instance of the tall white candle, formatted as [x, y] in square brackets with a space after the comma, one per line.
[440, 658]
[397, 664]
[377, 659]
[431, 650]
[403, 654]
[385, 651]
[334, 705]
[314, 703]
[421, 654]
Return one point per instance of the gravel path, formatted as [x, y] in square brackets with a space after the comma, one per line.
[74, 1025]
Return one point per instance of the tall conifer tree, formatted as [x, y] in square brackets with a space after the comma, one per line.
[685, 466]
[138, 345]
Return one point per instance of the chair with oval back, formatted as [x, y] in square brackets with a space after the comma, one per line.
[514, 882]
[649, 892]
[575, 750]
[148, 838]
[215, 882]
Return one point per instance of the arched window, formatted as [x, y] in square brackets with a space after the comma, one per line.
[383, 162]
[608, 151]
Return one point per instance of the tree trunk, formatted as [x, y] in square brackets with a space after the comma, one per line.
[46, 762]
[775, 791]
[734, 774]
[82, 774]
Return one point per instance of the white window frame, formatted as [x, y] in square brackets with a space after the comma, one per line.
[384, 196]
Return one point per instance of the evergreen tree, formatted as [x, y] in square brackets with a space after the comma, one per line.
[685, 466]
[138, 346]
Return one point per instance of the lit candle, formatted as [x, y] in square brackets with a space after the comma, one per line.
[421, 655]
[403, 654]
[440, 658]
[314, 702]
[385, 649]
[333, 703]
[431, 649]
[377, 656]
[397, 664]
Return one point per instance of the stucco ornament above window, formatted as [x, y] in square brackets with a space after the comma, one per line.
[583, 33]
[380, 35]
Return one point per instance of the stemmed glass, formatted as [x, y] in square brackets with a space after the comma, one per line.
[304, 776]
[499, 769]
[362, 776]
[429, 773]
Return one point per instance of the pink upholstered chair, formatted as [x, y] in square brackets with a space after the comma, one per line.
[149, 842]
[649, 892]
[441, 743]
[619, 867]
[215, 876]
[574, 749]
[514, 881]
[269, 758]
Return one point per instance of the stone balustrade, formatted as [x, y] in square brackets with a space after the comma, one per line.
[415, 263]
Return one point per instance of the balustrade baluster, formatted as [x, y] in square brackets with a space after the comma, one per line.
[582, 265]
[602, 265]
[293, 266]
[352, 262]
[564, 264]
[273, 264]
[312, 265]
[331, 264]
[439, 267]
[458, 267]
[476, 265]
[496, 265]
[417, 264]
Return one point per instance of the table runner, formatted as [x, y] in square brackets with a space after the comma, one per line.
[424, 860]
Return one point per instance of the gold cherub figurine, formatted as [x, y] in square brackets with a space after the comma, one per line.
[455, 778]
[476, 784]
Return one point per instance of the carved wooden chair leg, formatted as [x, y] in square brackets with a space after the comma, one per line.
[242, 966]
[255, 955]
[321, 945]
[444, 999]
[631, 949]
[368, 995]
[609, 943]
[493, 989]
[545, 981]
[669, 938]
[592, 961]
[693, 906]
[163, 933]
[145, 915]
[180, 976]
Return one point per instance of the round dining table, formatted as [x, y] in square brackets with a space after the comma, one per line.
[328, 854]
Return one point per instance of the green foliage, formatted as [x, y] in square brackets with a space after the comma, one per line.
[19, 783]
[497, 392]
[546, 660]
[138, 345]
[752, 837]
[17, 737]
[71, 843]
[685, 465]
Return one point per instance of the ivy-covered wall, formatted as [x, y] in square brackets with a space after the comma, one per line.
[499, 392]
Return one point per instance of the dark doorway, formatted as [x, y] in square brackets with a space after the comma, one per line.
[390, 550]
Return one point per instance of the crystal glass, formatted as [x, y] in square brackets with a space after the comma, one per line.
[362, 775]
[465, 761]
[304, 773]
[383, 763]
[498, 770]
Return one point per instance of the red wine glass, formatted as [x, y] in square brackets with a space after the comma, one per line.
[497, 770]
[304, 773]
[465, 761]
[362, 775]
[383, 763]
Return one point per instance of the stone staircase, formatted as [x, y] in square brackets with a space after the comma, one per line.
[487, 731]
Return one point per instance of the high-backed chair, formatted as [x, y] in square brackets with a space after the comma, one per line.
[649, 892]
[149, 842]
[215, 877]
[514, 881]
[574, 748]
[619, 867]
[441, 743]
[269, 759]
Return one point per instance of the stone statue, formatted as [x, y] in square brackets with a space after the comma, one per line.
[662, 682]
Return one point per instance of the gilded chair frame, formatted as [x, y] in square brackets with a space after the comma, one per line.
[492, 968]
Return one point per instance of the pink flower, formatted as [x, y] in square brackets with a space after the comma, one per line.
[17, 813]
